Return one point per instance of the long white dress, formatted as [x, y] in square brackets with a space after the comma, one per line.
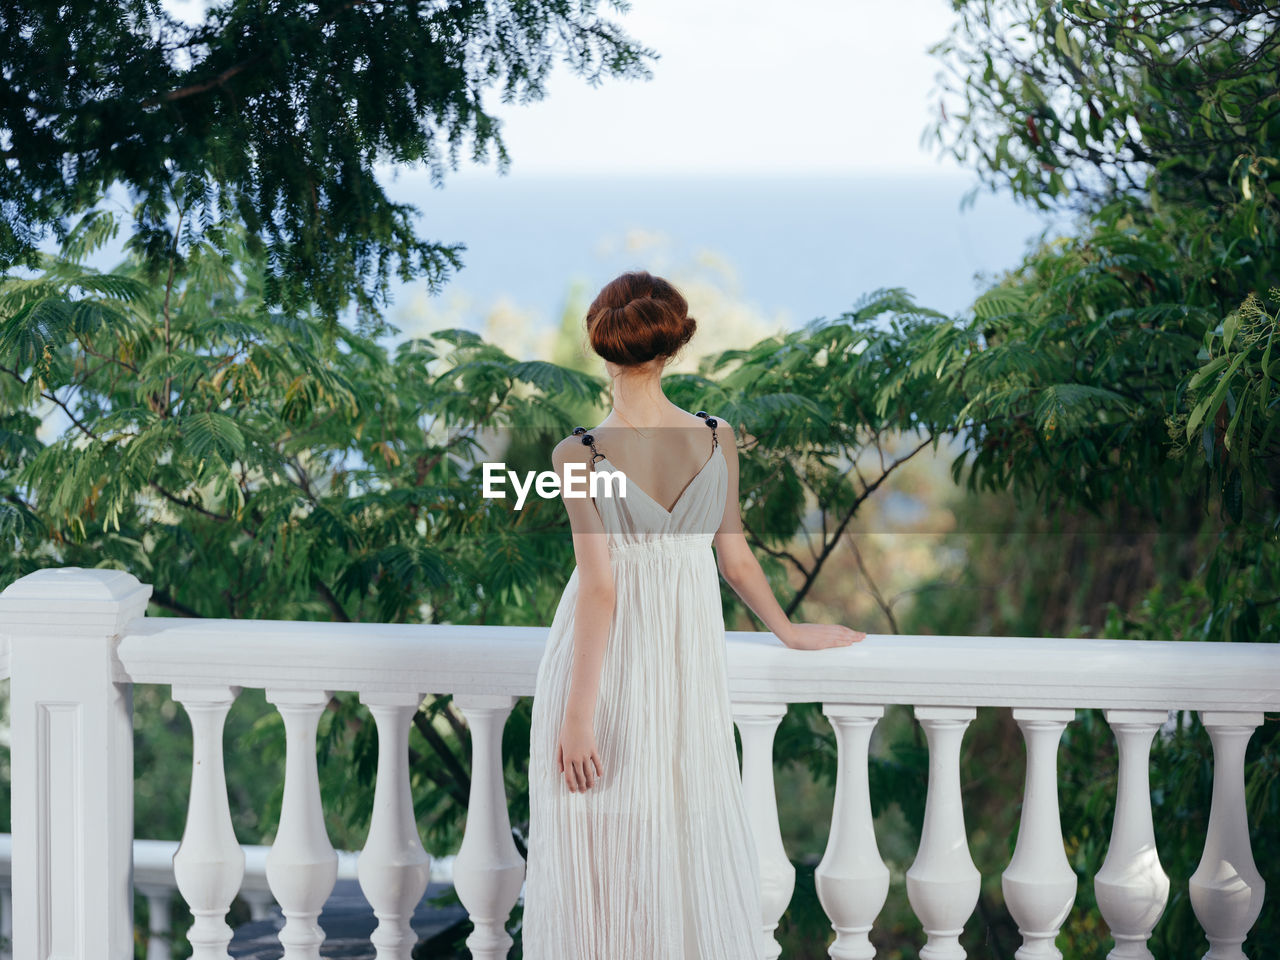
[655, 861]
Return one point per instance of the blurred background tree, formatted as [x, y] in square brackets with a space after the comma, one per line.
[271, 117]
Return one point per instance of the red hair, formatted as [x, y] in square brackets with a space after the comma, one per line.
[638, 317]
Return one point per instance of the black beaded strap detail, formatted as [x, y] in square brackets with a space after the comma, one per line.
[712, 422]
[588, 441]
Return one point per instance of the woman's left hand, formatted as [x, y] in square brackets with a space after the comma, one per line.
[819, 636]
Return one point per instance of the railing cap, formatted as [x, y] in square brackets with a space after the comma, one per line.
[72, 600]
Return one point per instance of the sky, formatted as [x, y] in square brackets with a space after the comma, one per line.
[748, 87]
[741, 87]
[753, 254]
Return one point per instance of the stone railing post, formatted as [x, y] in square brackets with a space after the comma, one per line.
[1226, 888]
[852, 881]
[942, 883]
[72, 753]
[488, 870]
[757, 723]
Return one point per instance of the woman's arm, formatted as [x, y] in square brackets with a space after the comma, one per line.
[741, 570]
[576, 756]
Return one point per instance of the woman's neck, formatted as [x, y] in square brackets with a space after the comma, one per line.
[638, 397]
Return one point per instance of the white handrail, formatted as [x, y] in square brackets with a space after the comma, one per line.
[882, 669]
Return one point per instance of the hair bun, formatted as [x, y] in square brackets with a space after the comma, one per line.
[638, 317]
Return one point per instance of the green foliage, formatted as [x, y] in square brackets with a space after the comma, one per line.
[277, 473]
[821, 414]
[1065, 374]
[1234, 403]
[1098, 365]
[273, 117]
[1078, 101]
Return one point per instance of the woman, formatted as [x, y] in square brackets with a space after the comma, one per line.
[639, 845]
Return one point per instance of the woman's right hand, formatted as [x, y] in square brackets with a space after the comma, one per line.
[819, 636]
[576, 755]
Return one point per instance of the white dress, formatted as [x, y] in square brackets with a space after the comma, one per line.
[655, 861]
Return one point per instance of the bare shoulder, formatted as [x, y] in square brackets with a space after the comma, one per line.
[702, 416]
[723, 430]
[570, 450]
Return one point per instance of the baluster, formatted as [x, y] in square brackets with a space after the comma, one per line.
[1039, 884]
[209, 864]
[852, 880]
[943, 884]
[1226, 889]
[301, 865]
[393, 868]
[159, 920]
[1131, 886]
[488, 871]
[757, 723]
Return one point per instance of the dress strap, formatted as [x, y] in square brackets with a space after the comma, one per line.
[588, 441]
[712, 422]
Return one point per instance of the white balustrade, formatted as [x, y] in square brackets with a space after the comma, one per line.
[852, 880]
[209, 864]
[394, 868]
[1039, 884]
[942, 883]
[302, 866]
[757, 723]
[1131, 887]
[1226, 888]
[489, 871]
[76, 641]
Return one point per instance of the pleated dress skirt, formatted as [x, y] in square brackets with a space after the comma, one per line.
[656, 861]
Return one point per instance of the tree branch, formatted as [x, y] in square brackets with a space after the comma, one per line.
[460, 785]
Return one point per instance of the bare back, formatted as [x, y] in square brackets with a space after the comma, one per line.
[662, 460]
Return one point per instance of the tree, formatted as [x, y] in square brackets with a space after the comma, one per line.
[824, 410]
[1090, 368]
[278, 474]
[272, 116]
[1081, 101]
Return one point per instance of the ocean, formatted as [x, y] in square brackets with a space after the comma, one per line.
[784, 250]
